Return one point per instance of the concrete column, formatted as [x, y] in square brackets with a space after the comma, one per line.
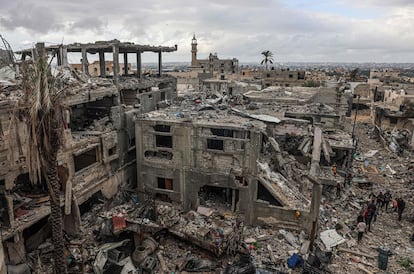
[125, 63]
[102, 68]
[139, 68]
[40, 51]
[3, 269]
[59, 57]
[115, 52]
[64, 56]
[314, 210]
[159, 63]
[85, 65]
[316, 153]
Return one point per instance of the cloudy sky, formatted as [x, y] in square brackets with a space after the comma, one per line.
[294, 30]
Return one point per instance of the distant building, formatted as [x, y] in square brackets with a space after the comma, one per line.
[94, 68]
[213, 63]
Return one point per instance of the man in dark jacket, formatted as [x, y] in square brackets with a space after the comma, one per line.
[387, 199]
[401, 207]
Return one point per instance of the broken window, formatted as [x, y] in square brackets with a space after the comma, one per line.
[162, 128]
[159, 154]
[112, 151]
[215, 144]
[165, 183]
[222, 132]
[164, 141]
[162, 95]
[92, 115]
[86, 159]
[393, 120]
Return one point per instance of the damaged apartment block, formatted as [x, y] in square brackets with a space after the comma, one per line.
[97, 154]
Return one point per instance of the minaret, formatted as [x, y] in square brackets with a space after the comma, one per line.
[194, 52]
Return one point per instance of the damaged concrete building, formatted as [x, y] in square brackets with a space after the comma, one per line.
[394, 119]
[213, 64]
[231, 169]
[98, 150]
[204, 148]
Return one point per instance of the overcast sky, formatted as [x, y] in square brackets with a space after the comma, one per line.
[294, 30]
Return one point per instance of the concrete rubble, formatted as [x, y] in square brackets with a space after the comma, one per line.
[259, 181]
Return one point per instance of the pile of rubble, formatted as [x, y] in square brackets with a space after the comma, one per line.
[158, 237]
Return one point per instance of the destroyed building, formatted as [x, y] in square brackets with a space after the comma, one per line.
[98, 150]
[394, 119]
[139, 163]
[185, 156]
[213, 64]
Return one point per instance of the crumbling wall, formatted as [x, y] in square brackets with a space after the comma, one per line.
[163, 153]
[279, 216]
[224, 150]
[180, 153]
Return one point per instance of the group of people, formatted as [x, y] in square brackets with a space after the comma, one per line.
[377, 202]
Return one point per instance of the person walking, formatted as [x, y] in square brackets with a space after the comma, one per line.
[370, 214]
[338, 189]
[387, 199]
[401, 207]
[361, 227]
[395, 204]
[380, 200]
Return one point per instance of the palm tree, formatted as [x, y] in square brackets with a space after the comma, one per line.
[267, 58]
[43, 115]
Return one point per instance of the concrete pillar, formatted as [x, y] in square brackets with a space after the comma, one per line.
[3, 269]
[139, 68]
[159, 63]
[314, 210]
[58, 57]
[102, 68]
[316, 153]
[64, 56]
[85, 65]
[40, 51]
[139, 157]
[125, 63]
[115, 52]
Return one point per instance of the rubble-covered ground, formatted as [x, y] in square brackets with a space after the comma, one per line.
[268, 248]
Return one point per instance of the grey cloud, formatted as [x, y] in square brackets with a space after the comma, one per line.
[89, 23]
[233, 28]
[32, 17]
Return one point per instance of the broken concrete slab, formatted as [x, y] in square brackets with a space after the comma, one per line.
[331, 238]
